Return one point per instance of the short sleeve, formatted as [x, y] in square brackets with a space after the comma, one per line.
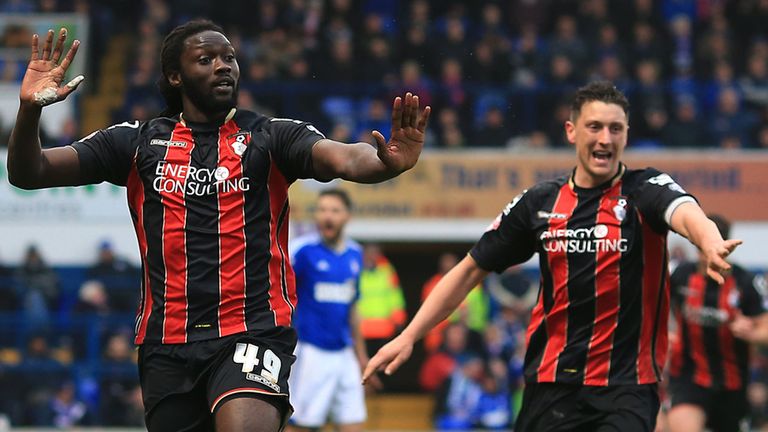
[657, 197]
[754, 292]
[107, 154]
[509, 240]
[291, 146]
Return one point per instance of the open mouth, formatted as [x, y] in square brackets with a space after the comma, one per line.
[602, 155]
[224, 84]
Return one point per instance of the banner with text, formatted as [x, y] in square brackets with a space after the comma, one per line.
[478, 186]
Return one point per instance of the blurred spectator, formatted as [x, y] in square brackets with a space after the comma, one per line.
[754, 84]
[456, 403]
[729, 123]
[65, 410]
[567, 43]
[684, 129]
[526, 55]
[487, 66]
[41, 374]
[381, 305]
[441, 362]
[119, 383]
[120, 279]
[8, 290]
[493, 130]
[434, 338]
[648, 95]
[92, 299]
[38, 286]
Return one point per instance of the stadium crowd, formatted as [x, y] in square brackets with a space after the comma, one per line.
[497, 75]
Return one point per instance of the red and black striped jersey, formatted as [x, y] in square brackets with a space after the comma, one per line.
[209, 204]
[705, 352]
[603, 304]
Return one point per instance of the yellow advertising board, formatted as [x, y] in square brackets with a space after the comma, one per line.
[478, 185]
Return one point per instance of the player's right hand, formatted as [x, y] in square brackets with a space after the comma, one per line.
[41, 85]
[390, 357]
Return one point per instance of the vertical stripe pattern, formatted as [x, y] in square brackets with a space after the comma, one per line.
[174, 243]
[652, 303]
[731, 374]
[231, 227]
[135, 191]
[556, 320]
[607, 292]
[282, 286]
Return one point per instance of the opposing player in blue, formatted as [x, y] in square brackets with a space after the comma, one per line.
[325, 384]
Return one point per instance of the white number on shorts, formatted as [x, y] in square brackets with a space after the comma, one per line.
[272, 366]
[247, 355]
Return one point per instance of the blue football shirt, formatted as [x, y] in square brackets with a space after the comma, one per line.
[327, 285]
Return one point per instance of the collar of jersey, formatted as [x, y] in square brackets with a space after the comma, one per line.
[615, 179]
[229, 116]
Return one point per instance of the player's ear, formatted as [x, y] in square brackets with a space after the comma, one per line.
[570, 131]
[174, 79]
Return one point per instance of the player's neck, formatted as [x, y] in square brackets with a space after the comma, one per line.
[334, 244]
[194, 115]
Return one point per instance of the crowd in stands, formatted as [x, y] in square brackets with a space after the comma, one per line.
[66, 342]
[496, 73]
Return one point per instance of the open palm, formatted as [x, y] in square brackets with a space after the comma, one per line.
[407, 134]
[42, 81]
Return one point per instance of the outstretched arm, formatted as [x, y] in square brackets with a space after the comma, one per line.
[689, 221]
[444, 299]
[29, 166]
[363, 163]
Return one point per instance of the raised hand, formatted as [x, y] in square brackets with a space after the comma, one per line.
[407, 135]
[41, 85]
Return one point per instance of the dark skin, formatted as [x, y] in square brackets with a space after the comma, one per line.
[206, 63]
[207, 80]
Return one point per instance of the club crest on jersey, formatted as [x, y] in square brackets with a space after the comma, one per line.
[241, 141]
[620, 209]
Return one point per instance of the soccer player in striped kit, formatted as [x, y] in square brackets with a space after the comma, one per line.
[330, 354]
[207, 188]
[597, 339]
[709, 359]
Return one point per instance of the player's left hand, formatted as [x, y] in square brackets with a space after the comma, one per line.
[742, 327]
[714, 257]
[407, 134]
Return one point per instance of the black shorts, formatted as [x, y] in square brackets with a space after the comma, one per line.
[568, 407]
[726, 410]
[186, 383]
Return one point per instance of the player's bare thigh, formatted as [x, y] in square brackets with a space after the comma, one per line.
[247, 414]
[686, 418]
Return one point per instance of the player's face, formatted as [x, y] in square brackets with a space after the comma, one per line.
[331, 215]
[600, 136]
[209, 75]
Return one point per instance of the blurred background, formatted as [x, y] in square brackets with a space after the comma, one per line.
[498, 75]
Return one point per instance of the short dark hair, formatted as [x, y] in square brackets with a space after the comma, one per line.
[340, 194]
[170, 60]
[722, 224]
[603, 91]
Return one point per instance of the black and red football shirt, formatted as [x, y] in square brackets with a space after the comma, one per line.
[209, 204]
[705, 352]
[601, 315]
